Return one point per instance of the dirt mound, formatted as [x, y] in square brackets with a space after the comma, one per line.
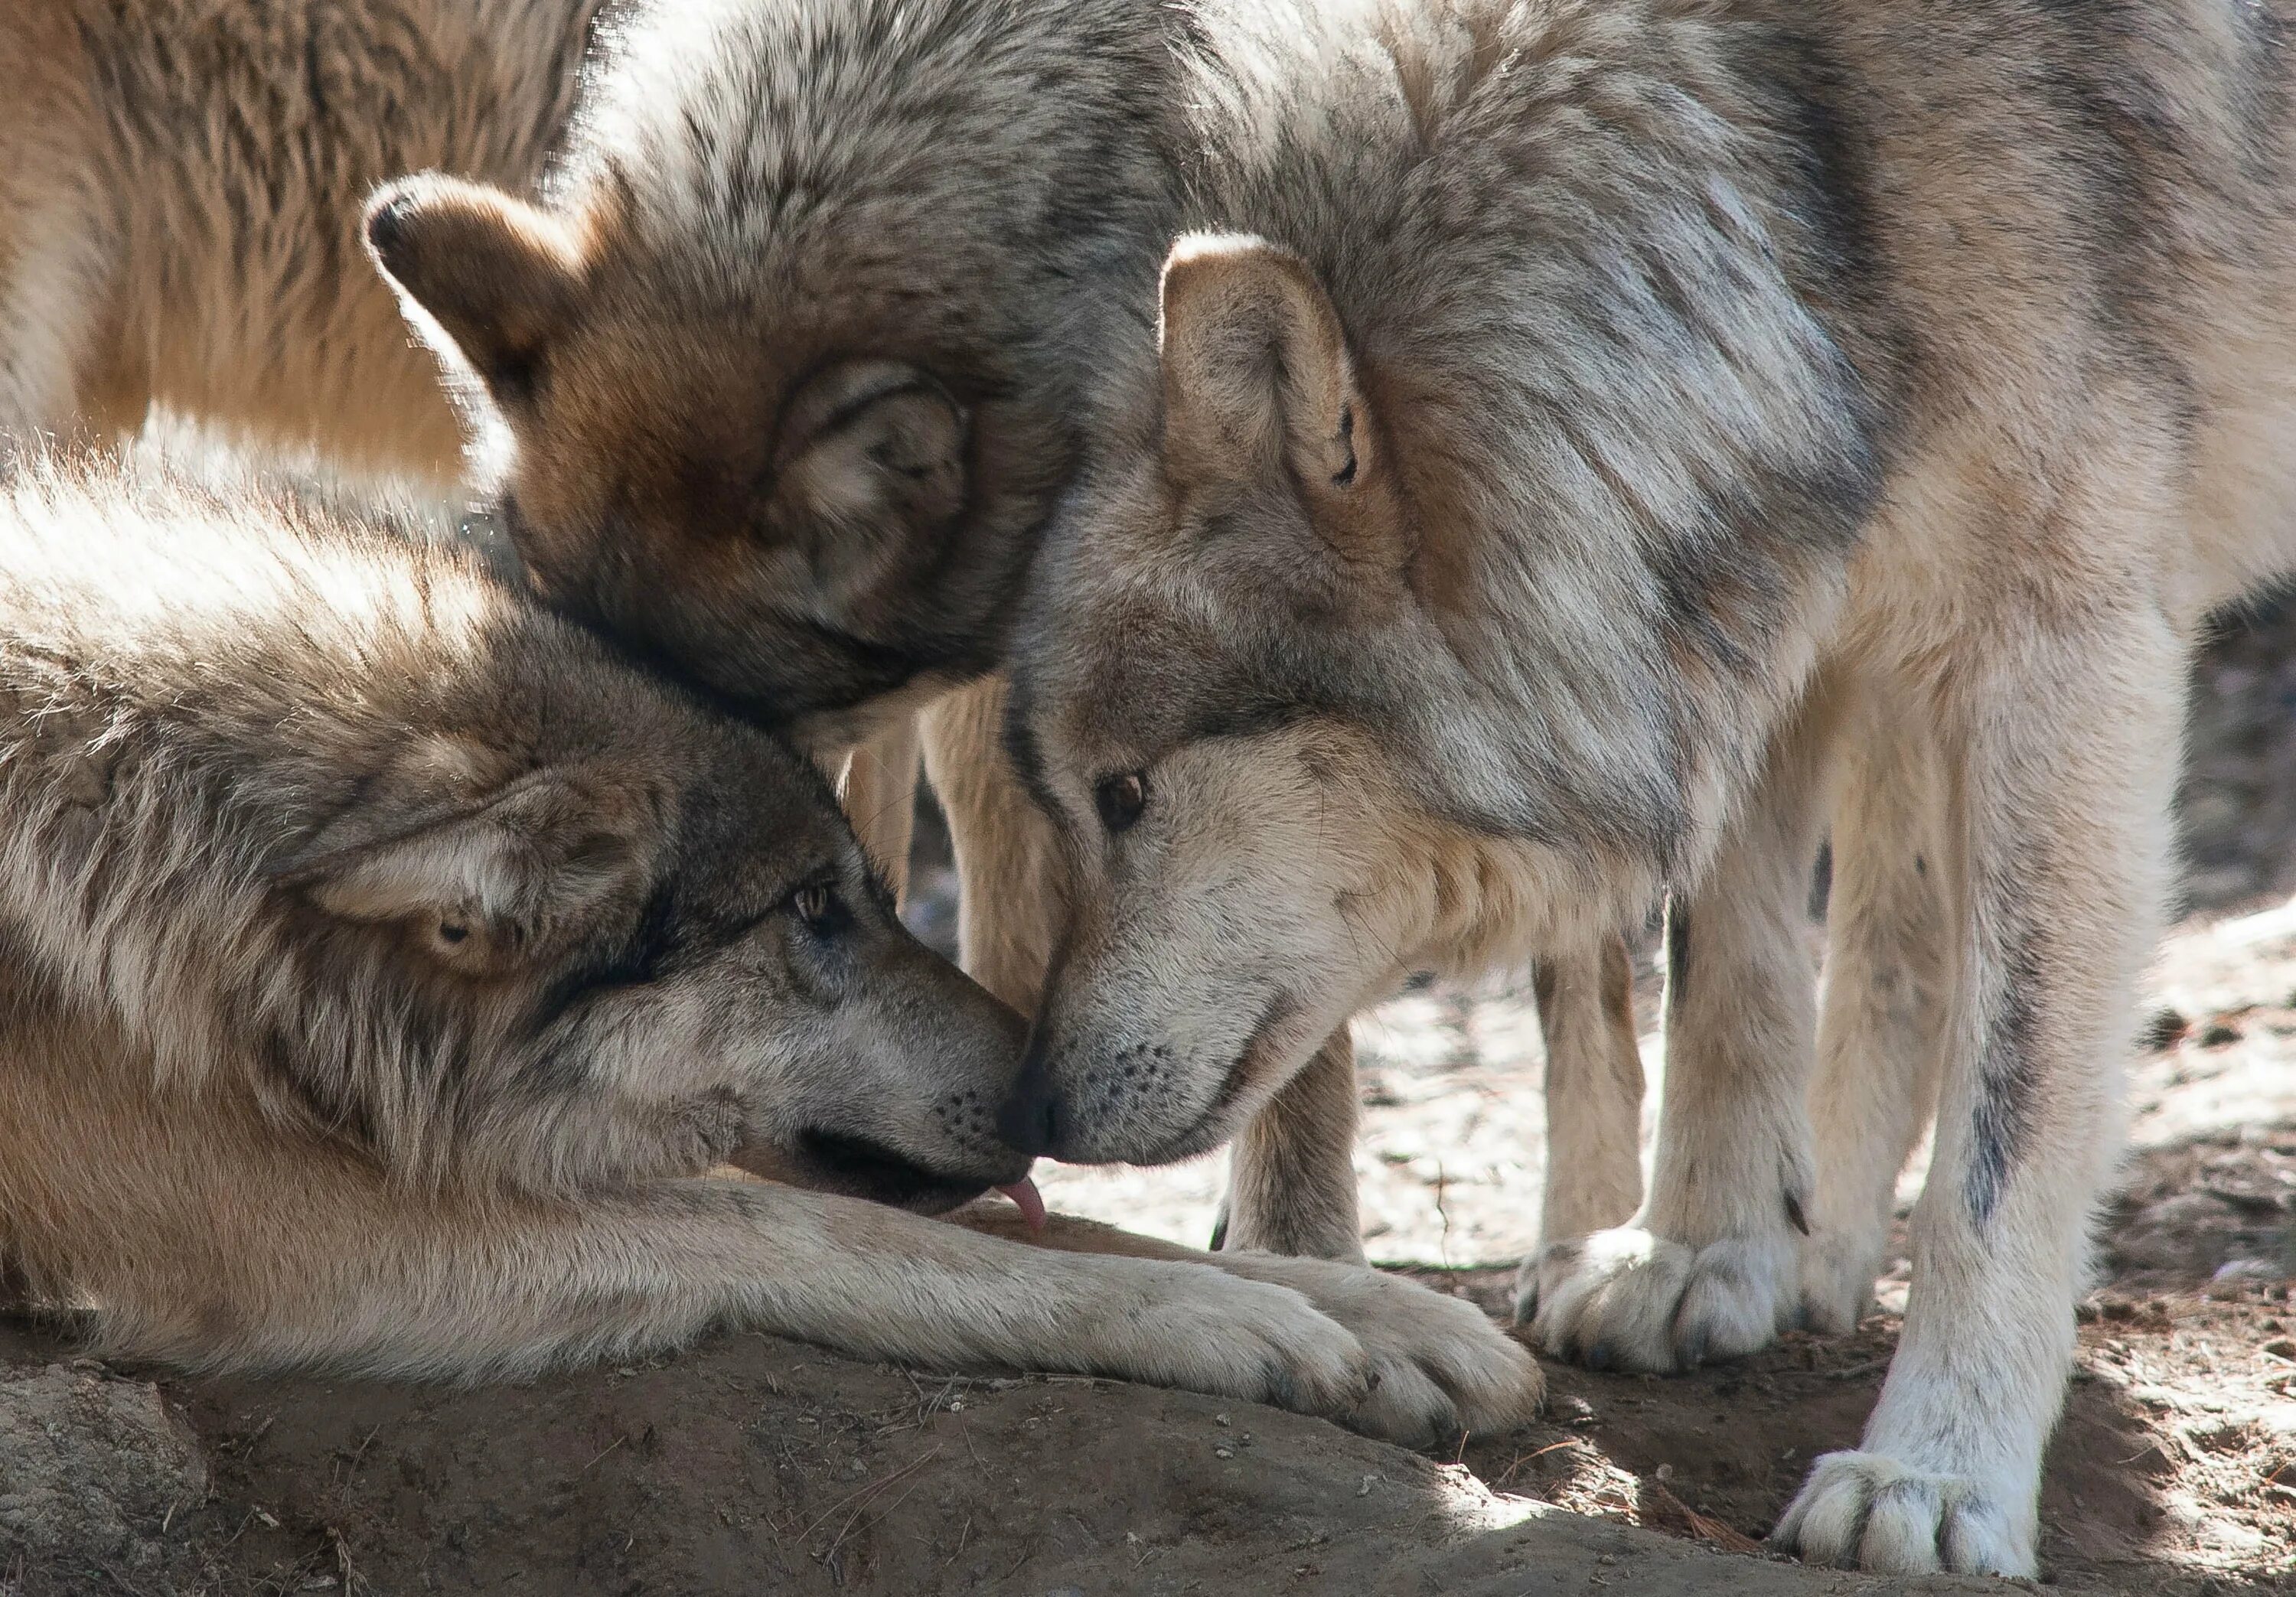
[757, 1465]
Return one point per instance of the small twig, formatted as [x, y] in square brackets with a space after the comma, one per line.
[872, 1488]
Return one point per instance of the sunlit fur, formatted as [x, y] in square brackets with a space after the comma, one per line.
[181, 183]
[1580, 442]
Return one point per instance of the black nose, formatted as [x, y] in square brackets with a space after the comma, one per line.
[1031, 1119]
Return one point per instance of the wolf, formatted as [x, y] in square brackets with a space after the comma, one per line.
[1580, 451]
[388, 966]
[181, 184]
[781, 378]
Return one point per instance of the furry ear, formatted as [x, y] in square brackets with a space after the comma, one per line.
[871, 455]
[496, 274]
[482, 890]
[1256, 371]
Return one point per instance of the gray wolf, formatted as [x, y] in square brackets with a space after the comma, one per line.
[1581, 451]
[387, 965]
[781, 376]
[181, 184]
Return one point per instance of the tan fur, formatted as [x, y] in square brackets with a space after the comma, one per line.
[385, 966]
[180, 208]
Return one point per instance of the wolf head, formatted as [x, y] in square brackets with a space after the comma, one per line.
[781, 378]
[1279, 796]
[1352, 668]
[427, 868]
[669, 926]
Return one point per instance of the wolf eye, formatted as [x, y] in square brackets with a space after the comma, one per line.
[1120, 799]
[452, 931]
[817, 904]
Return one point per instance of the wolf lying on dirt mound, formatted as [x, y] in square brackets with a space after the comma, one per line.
[387, 964]
[1584, 440]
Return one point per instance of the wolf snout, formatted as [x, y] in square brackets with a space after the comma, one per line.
[1033, 1117]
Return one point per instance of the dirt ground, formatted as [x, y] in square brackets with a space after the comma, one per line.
[754, 1465]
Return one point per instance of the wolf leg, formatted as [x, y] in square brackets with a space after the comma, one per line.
[2058, 796]
[879, 796]
[1710, 1267]
[210, 1238]
[1008, 866]
[1878, 1042]
[1594, 1089]
[1292, 1176]
[1438, 1364]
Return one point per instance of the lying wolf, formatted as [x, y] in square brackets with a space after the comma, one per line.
[181, 183]
[385, 964]
[1584, 440]
[788, 368]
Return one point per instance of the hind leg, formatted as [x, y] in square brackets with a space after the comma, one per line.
[1710, 1268]
[1878, 1036]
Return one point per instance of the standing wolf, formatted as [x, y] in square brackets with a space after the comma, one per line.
[791, 364]
[181, 183]
[1591, 443]
[386, 964]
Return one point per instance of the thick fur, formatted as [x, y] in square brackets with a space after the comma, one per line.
[781, 390]
[1580, 442]
[386, 964]
[181, 189]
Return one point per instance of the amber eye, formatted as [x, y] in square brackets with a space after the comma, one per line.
[818, 906]
[1120, 799]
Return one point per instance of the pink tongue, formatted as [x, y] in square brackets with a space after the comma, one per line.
[1024, 1193]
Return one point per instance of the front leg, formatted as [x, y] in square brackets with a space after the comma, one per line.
[1710, 1267]
[2058, 745]
[1878, 1042]
[1439, 1365]
[1594, 1089]
[1291, 1178]
[878, 793]
[1010, 879]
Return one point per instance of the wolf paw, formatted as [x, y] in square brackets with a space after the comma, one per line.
[1838, 1270]
[1438, 1364]
[1206, 1330]
[1626, 1300]
[1868, 1511]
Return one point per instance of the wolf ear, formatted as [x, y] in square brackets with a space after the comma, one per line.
[871, 453]
[482, 891]
[497, 275]
[1256, 370]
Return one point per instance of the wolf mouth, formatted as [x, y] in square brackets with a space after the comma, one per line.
[859, 1167]
[1203, 1134]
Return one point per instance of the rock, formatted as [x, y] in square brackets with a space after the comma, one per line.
[92, 1470]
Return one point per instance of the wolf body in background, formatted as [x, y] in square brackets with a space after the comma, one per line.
[387, 964]
[181, 183]
[1591, 446]
[791, 363]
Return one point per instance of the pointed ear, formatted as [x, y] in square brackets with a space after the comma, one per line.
[1256, 371]
[870, 457]
[485, 890]
[498, 276]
